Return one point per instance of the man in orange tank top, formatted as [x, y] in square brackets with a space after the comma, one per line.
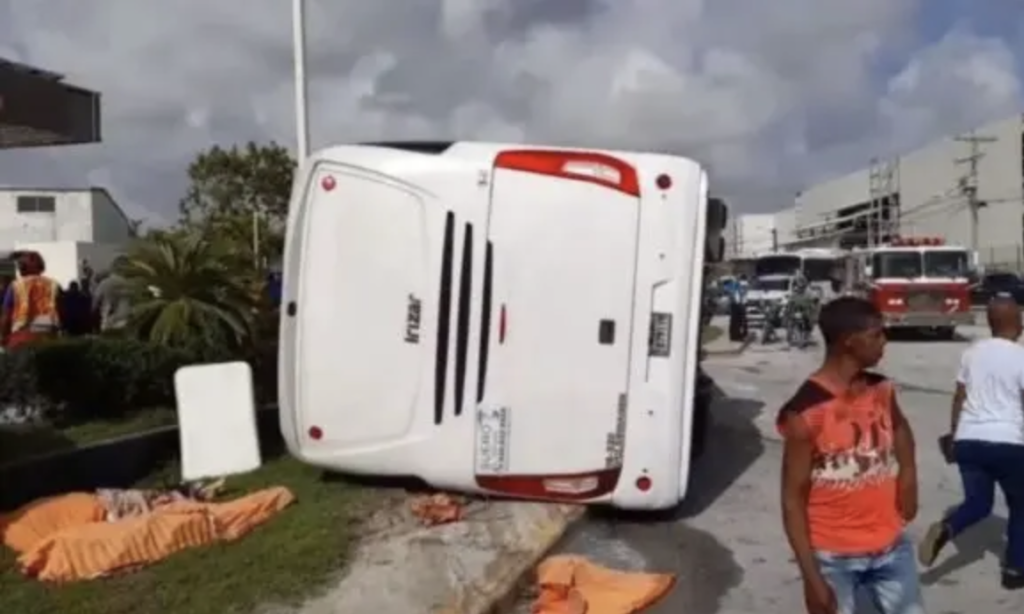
[849, 475]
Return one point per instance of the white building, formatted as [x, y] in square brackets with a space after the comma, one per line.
[752, 234]
[70, 228]
[749, 235]
[785, 227]
[34, 215]
[925, 192]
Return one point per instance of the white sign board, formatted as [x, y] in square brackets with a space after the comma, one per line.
[216, 420]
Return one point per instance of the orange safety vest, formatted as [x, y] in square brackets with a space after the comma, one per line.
[34, 304]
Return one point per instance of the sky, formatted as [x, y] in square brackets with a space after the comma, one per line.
[771, 96]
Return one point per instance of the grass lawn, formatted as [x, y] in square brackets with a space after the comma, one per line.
[19, 442]
[282, 561]
[710, 334]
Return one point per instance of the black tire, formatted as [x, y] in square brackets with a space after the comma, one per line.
[700, 425]
[737, 324]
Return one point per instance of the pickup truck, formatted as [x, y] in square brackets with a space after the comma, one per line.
[995, 284]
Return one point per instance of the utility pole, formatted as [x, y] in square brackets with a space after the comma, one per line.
[969, 182]
[873, 203]
[301, 83]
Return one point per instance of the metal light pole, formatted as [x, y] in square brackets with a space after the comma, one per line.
[301, 89]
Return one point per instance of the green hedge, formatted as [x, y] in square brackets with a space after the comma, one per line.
[75, 380]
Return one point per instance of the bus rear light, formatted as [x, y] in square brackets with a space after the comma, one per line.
[316, 433]
[328, 183]
[664, 182]
[643, 483]
[602, 172]
[566, 487]
[590, 166]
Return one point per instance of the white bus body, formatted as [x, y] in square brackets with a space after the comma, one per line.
[502, 319]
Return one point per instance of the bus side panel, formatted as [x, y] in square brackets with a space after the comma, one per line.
[361, 308]
[664, 363]
[361, 324]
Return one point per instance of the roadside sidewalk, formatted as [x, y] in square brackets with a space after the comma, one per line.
[466, 567]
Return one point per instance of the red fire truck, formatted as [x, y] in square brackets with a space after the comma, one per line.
[916, 282]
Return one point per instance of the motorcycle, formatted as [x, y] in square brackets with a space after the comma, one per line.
[799, 325]
[772, 317]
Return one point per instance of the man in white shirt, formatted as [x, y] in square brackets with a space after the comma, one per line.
[987, 427]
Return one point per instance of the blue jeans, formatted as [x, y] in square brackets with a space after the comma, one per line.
[983, 465]
[889, 578]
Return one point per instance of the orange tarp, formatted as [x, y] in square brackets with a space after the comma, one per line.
[574, 585]
[61, 539]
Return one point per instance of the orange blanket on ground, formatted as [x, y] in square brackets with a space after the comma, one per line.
[574, 585]
[65, 538]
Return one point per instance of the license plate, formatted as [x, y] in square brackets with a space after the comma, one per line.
[492, 440]
[660, 342]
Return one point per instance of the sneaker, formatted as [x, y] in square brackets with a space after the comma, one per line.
[934, 541]
[1013, 580]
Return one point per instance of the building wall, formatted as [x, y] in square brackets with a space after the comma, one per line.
[69, 215]
[785, 226]
[66, 260]
[819, 203]
[109, 222]
[931, 202]
[750, 234]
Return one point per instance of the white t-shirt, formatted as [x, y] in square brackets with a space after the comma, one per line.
[992, 372]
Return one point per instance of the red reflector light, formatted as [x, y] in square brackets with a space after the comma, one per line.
[328, 183]
[664, 182]
[315, 433]
[643, 483]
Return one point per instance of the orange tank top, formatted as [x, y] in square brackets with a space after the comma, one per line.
[852, 506]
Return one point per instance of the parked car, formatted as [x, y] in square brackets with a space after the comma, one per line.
[993, 284]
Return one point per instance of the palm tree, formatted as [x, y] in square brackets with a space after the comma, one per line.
[185, 291]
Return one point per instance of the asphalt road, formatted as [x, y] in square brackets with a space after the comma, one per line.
[725, 543]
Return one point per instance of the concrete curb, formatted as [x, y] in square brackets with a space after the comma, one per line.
[475, 566]
[505, 588]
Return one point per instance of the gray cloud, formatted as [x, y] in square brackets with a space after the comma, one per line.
[770, 95]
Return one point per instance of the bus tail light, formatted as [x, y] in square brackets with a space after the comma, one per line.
[566, 487]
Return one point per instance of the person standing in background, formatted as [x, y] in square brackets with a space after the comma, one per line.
[30, 304]
[987, 439]
[75, 311]
[110, 301]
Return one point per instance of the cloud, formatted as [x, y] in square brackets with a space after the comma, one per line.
[769, 95]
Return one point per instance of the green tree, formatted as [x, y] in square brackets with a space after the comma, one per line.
[237, 194]
[185, 293]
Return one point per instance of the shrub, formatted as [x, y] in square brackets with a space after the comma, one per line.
[80, 379]
[75, 380]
